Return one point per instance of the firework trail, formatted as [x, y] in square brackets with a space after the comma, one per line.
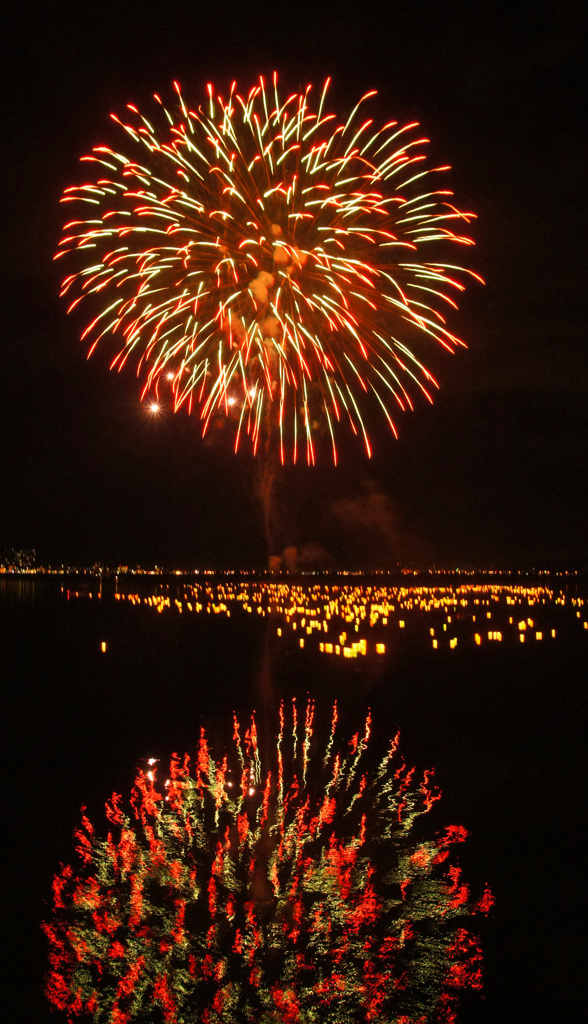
[305, 892]
[265, 264]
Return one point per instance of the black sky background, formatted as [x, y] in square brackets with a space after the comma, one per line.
[493, 474]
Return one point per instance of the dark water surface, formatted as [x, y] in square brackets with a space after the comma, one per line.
[501, 724]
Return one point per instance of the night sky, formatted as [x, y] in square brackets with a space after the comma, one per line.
[493, 474]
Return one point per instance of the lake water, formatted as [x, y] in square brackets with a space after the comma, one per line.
[98, 677]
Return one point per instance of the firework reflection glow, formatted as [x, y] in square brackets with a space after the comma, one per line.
[305, 892]
[266, 264]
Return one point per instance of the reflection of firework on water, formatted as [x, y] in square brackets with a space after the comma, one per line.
[265, 263]
[304, 893]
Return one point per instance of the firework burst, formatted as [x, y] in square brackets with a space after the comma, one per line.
[265, 263]
[303, 893]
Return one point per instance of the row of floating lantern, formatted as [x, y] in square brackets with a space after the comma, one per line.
[322, 609]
